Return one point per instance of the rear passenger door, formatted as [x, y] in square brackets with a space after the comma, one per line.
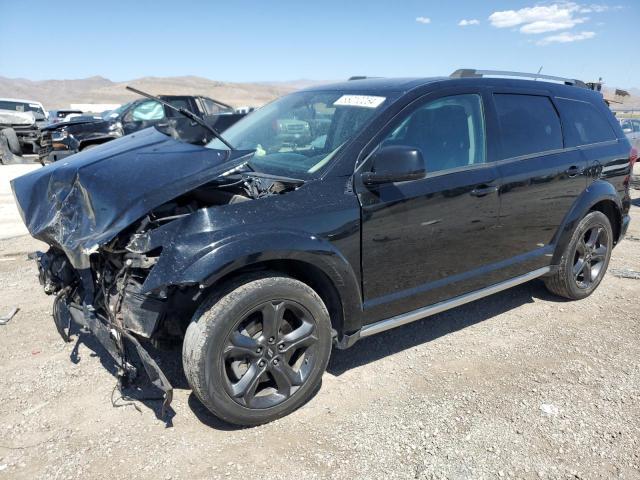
[540, 178]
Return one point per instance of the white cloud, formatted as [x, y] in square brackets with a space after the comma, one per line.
[466, 23]
[596, 8]
[566, 37]
[423, 20]
[540, 19]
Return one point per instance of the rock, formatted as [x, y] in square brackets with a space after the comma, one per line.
[549, 409]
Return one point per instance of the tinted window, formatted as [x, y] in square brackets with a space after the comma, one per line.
[636, 125]
[583, 123]
[449, 132]
[528, 124]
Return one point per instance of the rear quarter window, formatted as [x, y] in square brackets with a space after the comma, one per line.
[583, 123]
[529, 124]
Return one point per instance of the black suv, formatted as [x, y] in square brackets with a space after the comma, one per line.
[399, 199]
[85, 132]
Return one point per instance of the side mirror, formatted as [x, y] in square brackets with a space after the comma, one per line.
[395, 163]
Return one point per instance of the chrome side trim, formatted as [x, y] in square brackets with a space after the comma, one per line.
[423, 312]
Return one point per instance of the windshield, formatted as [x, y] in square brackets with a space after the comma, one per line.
[298, 134]
[35, 108]
[109, 114]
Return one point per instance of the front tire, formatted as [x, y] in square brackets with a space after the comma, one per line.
[257, 350]
[585, 259]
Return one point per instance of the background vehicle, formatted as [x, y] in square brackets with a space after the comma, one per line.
[28, 106]
[57, 116]
[631, 128]
[416, 196]
[77, 134]
[19, 136]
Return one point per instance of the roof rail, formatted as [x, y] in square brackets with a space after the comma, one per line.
[357, 77]
[472, 73]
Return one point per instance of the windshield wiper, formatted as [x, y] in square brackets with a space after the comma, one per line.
[187, 113]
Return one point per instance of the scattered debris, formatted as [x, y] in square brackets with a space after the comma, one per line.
[549, 409]
[6, 318]
[625, 273]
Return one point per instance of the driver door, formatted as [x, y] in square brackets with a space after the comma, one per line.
[427, 240]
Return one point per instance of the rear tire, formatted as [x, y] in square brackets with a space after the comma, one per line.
[257, 349]
[585, 259]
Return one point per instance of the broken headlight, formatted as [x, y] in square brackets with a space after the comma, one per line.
[59, 135]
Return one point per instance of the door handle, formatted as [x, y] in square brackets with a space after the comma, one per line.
[573, 171]
[483, 190]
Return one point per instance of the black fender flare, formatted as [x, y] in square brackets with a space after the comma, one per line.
[213, 262]
[597, 192]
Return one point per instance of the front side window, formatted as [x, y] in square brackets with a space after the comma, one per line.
[449, 132]
[584, 125]
[149, 110]
[297, 135]
[529, 124]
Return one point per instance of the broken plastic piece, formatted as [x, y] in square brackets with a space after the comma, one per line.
[7, 318]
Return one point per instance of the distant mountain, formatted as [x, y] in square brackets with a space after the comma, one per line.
[61, 93]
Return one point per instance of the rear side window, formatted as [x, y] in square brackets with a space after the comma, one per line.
[529, 124]
[583, 123]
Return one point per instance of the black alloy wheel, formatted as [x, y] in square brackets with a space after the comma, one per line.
[584, 259]
[270, 353]
[590, 256]
[256, 350]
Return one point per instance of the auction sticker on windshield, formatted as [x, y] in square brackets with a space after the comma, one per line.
[367, 101]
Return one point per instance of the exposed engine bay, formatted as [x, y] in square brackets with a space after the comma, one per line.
[108, 297]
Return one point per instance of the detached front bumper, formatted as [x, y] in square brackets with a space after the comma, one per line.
[114, 341]
[71, 308]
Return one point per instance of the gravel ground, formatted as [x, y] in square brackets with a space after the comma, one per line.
[520, 384]
[10, 223]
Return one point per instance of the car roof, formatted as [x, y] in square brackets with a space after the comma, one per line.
[401, 85]
[19, 100]
[377, 84]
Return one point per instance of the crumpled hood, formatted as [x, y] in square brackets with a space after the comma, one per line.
[85, 201]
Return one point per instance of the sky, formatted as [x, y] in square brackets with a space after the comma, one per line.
[284, 40]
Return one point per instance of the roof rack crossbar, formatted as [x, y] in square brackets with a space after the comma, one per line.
[472, 73]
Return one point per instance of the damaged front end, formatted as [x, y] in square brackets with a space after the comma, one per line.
[95, 212]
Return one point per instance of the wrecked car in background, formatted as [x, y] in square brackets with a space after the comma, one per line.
[20, 136]
[84, 132]
[26, 106]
